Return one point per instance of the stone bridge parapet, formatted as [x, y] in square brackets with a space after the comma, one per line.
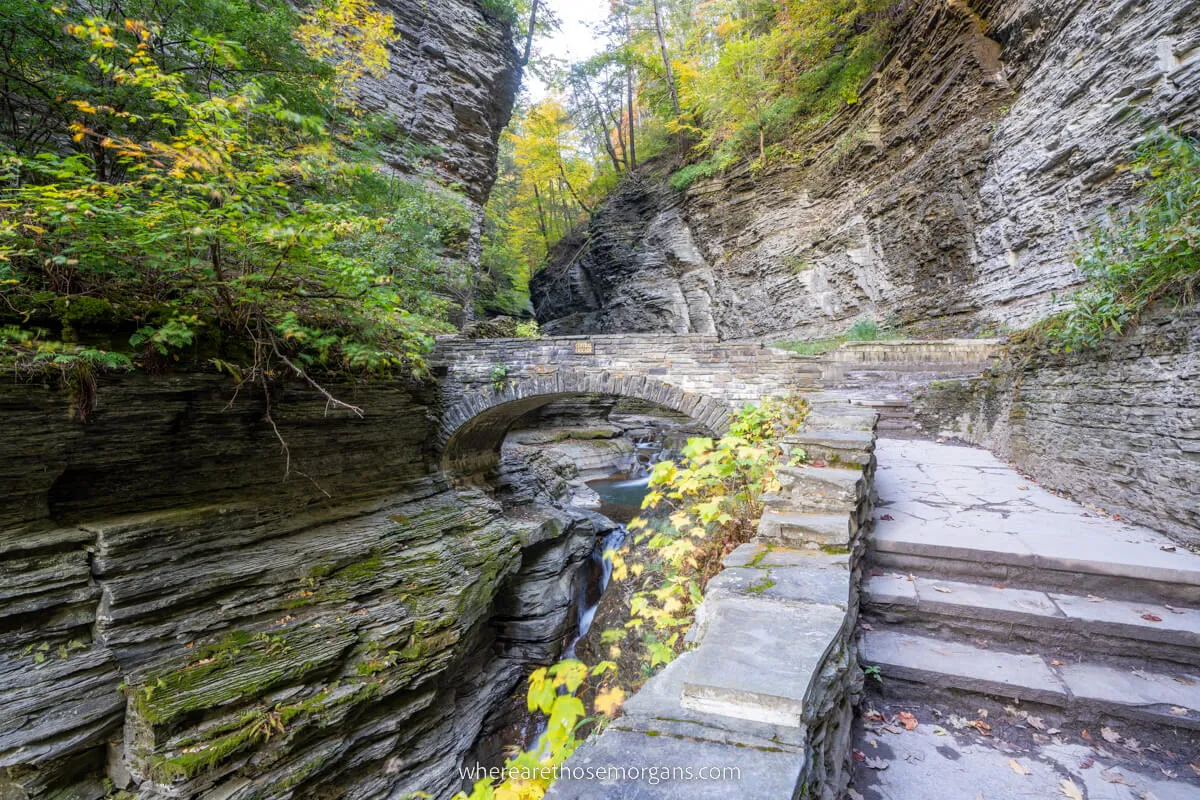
[487, 384]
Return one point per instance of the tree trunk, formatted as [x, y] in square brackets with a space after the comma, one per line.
[537, 196]
[629, 94]
[662, 46]
[571, 188]
[608, 146]
[529, 35]
[621, 139]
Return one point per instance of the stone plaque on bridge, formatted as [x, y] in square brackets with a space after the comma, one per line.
[584, 349]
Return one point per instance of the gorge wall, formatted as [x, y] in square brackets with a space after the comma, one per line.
[450, 90]
[951, 197]
[180, 622]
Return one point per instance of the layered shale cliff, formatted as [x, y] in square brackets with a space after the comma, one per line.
[951, 197]
[450, 90]
[177, 620]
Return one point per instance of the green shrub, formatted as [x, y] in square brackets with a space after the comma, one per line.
[864, 329]
[1149, 254]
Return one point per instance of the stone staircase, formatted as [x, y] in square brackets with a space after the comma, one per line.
[981, 582]
[765, 691]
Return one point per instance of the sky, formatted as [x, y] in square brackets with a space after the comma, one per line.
[574, 42]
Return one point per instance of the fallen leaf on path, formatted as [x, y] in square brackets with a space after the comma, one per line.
[943, 590]
[1195, 768]
[876, 763]
[1087, 737]
[1179, 711]
[907, 720]
[1056, 663]
[853, 795]
[816, 463]
[1114, 776]
[938, 730]
[1036, 722]
[1168, 773]
[1184, 681]
[982, 727]
[1095, 598]
[859, 755]
[1173, 609]
[1151, 617]
[1087, 763]
[957, 722]
[1016, 767]
[1110, 735]
[887, 517]
[1069, 789]
[1167, 549]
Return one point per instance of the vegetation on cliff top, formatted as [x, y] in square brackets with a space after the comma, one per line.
[194, 177]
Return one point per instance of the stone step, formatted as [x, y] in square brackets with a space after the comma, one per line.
[758, 657]
[1082, 556]
[841, 418]
[767, 622]
[798, 529]
[1066, 622]
[882, 403]
[831, 489]
[833, 447]
[1087, 690]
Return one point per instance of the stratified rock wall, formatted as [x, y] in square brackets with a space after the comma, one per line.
[180, 620]
[953, 195]
[450, 90]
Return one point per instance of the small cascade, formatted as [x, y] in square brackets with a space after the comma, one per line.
[649, 451]
[591, 590]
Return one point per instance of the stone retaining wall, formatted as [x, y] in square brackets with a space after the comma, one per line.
[767, 693]
[1117, 426]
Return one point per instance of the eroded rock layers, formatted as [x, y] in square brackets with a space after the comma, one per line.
[178, 621]
[953, 195]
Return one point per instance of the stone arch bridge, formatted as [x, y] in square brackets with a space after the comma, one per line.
[487, 384]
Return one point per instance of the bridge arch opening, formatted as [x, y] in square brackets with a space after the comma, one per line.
[475, 428]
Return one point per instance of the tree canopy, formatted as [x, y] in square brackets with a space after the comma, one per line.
[194, 175]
